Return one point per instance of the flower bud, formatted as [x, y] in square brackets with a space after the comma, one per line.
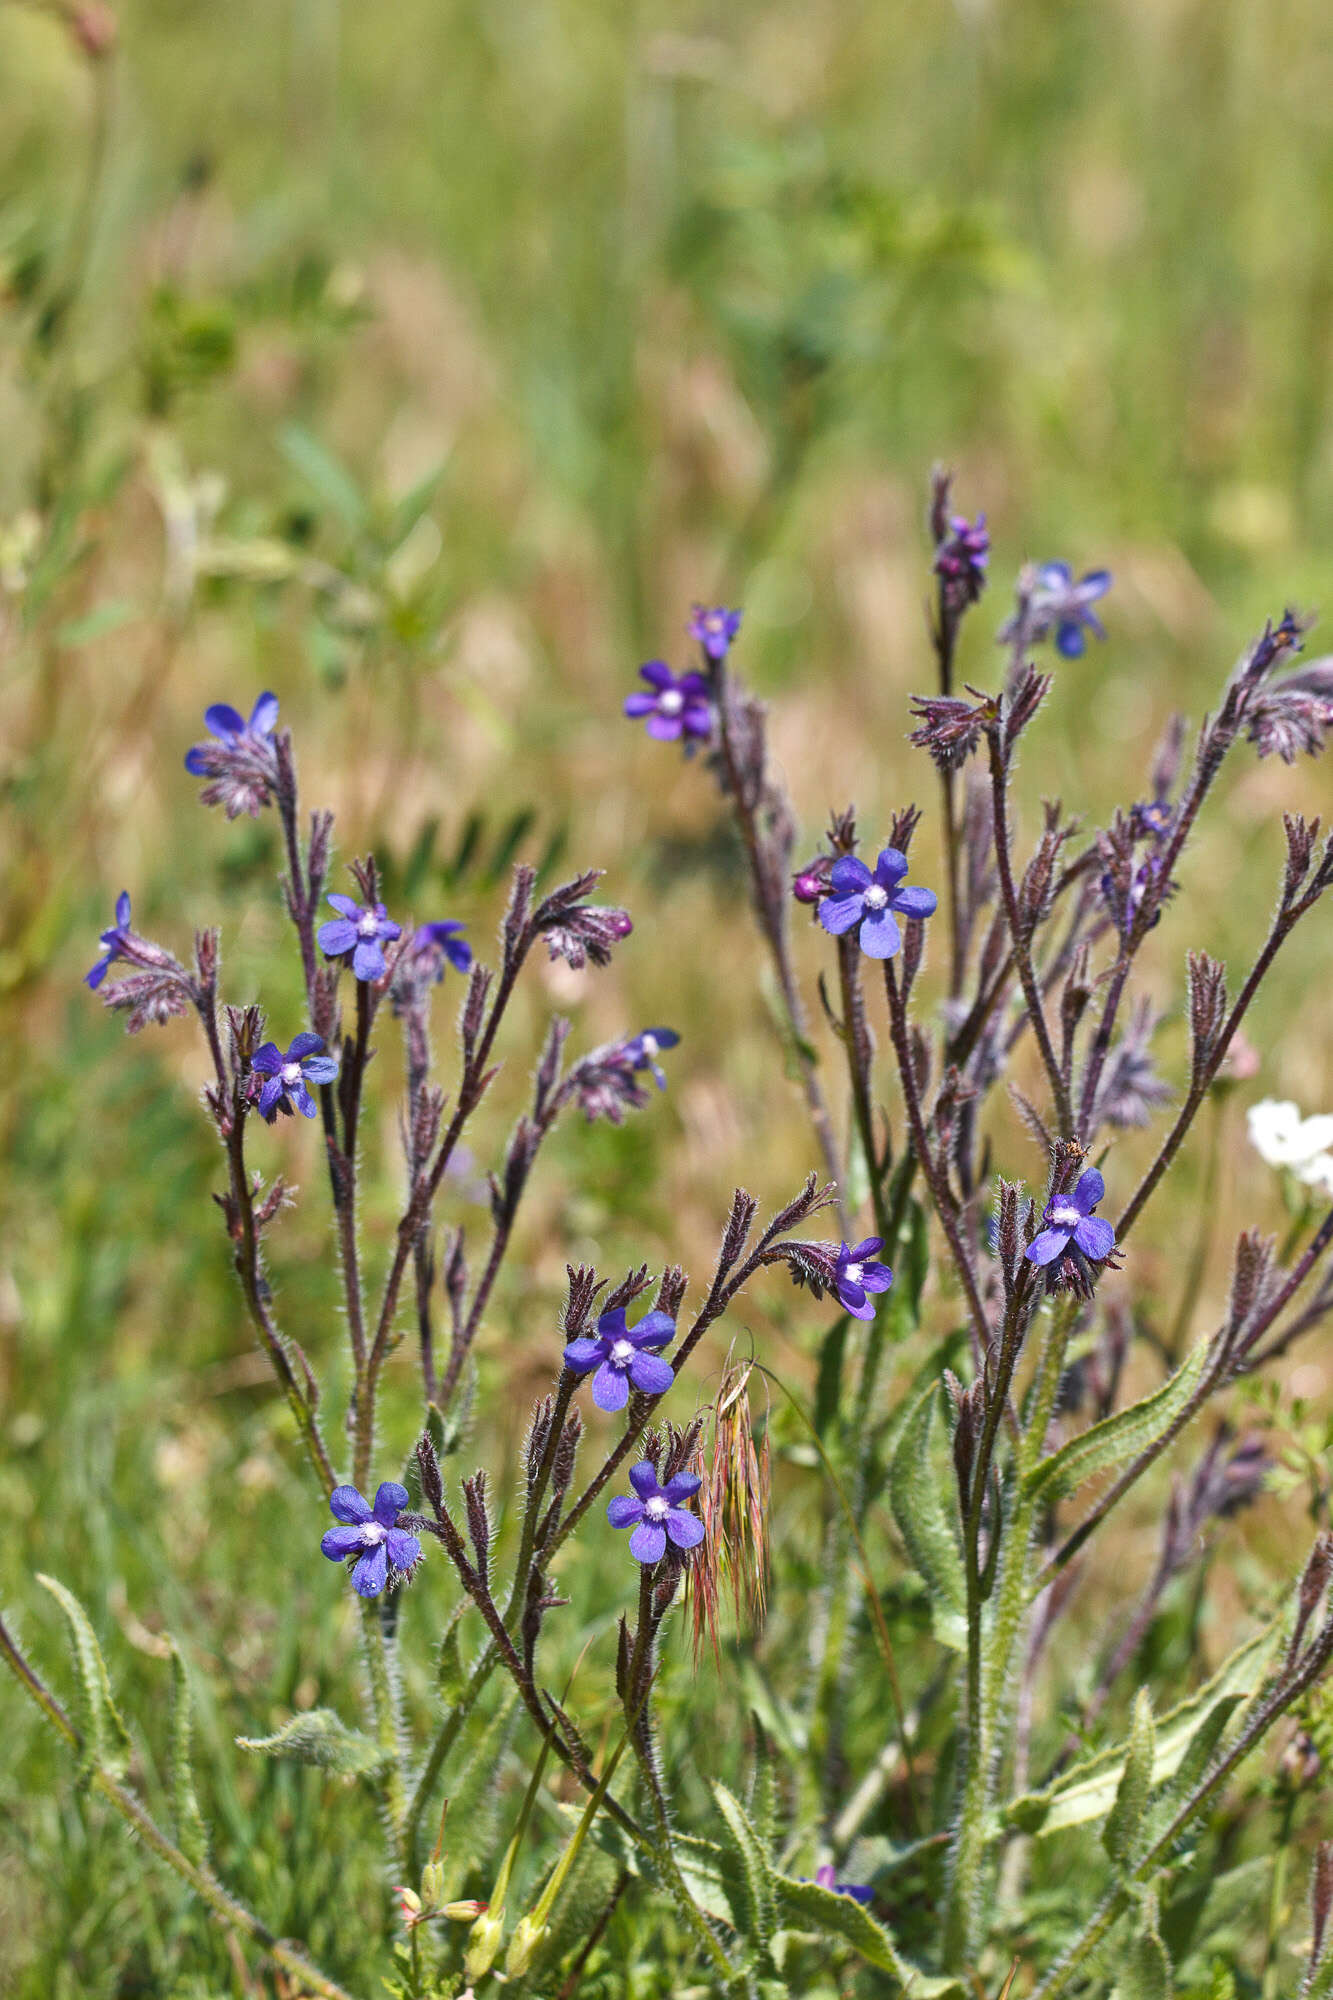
[464, 1912]
[432, 1883]
[528, 1934]
[483, 1944]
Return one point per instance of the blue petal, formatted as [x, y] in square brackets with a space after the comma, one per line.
[685, 1530]
[624, 1511]
[196, 761]
[643, 1479]
[655, 1329]
[223, 720]
[1095, 1238]
[123, 910]
[683, 1487]
[1069, 640]
[320, 1069]
[581, 1355]
[611, 1325]
[648, 1543]
[838, 913]
[95, 974]
[915, 902]
[891, 867]
[368, 959]
[346, 1504]
[339, 1543]
[303, 1101]
[267, 1059]
[404, 1549]
[371, 1573]
[270, 1094]
[345, 904]
[263, 715]
[390, 1500]
[336, 936]
[306, 1044]
[1091, 1187]
[850, 875]
[880, 936]
[651, 1375]
[1044, 1249]
[610, 1390]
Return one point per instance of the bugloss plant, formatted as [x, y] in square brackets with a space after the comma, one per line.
[977, 1415]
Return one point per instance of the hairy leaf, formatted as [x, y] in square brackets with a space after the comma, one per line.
[321, 1737]
[1124, 1824]
[1118, 1439]
[809, 1906]
[191, 1832]
[106, 1739]
[755, 1909]
[1087, 1791]
[921, 1491]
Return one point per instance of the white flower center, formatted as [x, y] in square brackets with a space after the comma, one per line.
[373, 1533]
[656, 1509]
[622, 1354]
[670, 701]
[1066, 1216]
[291, 1072]
[876, 898]
[853, 1273]
[369, 924]
[648, 1043]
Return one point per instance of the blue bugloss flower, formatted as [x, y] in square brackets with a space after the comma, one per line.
[286, 1076]
[442, 941]
[1069, 1219]
[858, 897]
[827, 1878]
[386, 1551]
[641, 1051]
[229, 726]
[1066, 606]
[359, 933]
[113, 942]
[619, 1354]
[655, 1513]
[714, 628]
[672, 706]
[856, 1274]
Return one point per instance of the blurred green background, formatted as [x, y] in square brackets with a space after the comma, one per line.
[423, 363]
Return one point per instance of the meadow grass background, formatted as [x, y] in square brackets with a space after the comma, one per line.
[677, 302]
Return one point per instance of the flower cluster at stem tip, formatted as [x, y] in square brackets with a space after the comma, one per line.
[385, 1552]
[655, 1513]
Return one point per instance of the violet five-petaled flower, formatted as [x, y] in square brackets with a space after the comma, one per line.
[440, 941]
[827, 1878]
[856, 1273]
[360, 933]
[672, 706]
[655, 1513]
[239, 761]
[620, 1355]
[112, 941]
[642, 1051]
[286, 1077]
[714, 628]
[1064, 606]
[386, 1551]
[858, 897]
[1069, 1219]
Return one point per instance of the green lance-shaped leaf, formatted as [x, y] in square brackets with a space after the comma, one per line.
[1118, 1439]
[327, 475]
[752, 1893]
[921, 1490]
[321, 1737]
[191, 1832]
[106, 1740]
[1146, 1973]
[1124, 1824]
[1087, 1790]
[806, 1906]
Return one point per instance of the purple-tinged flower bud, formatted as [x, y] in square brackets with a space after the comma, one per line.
[951, 728]
[714, 628]
[962, 557]
[810, 884]
[240, 762]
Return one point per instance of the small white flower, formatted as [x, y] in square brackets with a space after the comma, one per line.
[1318, 1174]
[1281, 1136]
